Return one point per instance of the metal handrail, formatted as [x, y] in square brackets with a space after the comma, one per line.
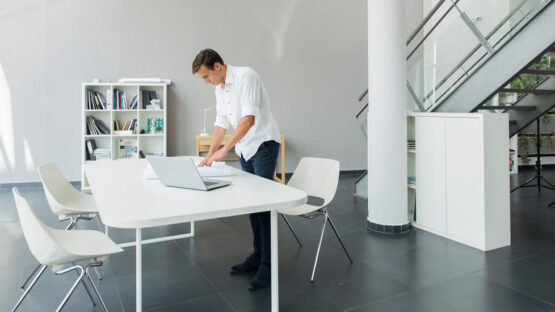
[424, 21]
[415, 32]
[362, 110]
[471, 53]
[459, 65]
[466, 58]
[432, 29]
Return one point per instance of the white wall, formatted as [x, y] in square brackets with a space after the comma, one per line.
[311, 54]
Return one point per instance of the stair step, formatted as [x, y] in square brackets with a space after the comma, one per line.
[544, 72]
[512, 122]
[520, 108]
[533, 91]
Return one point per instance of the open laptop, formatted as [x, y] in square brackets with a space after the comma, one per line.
[182, 172]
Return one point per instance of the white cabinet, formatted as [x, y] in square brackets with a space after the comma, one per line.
[430, 158]
[462, 177]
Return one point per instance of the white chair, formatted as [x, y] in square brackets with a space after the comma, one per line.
[57, 248]
[317, 177]
[65, 201]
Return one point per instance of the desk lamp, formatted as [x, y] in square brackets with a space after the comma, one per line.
[204, 133]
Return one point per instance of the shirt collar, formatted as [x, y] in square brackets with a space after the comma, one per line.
[229, 75]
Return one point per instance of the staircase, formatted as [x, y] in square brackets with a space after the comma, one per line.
[486, 51]
[529, 95]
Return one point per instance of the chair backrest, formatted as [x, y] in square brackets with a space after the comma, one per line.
[36, 233]
[56, 187]
[317, 177]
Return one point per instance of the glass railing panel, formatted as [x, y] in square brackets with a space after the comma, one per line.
[491, 17]
[499, 25]
[440, 60]
[362, 120]
[453, 49]
[461, 71]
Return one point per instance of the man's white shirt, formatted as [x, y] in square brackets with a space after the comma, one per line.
[243, 95]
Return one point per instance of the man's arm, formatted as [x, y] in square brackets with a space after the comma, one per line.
[217, 138]
[245, 123]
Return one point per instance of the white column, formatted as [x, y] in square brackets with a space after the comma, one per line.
[387, 122]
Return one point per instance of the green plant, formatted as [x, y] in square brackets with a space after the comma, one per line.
[523, 143]
[535, 139]
[525, 159]
[546, 118]
[550, 140]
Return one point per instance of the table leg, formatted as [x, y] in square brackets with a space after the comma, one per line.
[274, 266]
[139, 282]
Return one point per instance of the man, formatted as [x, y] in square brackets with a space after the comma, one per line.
[242, 103]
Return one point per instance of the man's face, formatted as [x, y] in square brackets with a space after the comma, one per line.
[211, 76]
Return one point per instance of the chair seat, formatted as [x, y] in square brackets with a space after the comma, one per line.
[299, 210]
[80, 204]
[80, 245]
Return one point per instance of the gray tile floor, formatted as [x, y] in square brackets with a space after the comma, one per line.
[417, 271]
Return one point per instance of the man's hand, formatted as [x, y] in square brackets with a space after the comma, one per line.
[217, 156]
[203, 162]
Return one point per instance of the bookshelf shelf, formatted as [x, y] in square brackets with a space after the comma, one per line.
[97, 136]
[104, 104]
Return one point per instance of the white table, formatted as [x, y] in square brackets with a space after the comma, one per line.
[125, 200]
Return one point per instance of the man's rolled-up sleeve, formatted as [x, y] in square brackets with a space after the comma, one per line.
[221, 121]
[250, 95]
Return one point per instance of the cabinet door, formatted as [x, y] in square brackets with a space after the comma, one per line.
[430, 173]
[465, 178]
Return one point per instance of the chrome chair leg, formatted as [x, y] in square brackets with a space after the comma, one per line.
[97, 274]
[69, 227]
[30, 276]
[29, 288]
[94, 265]
[292, 231]
[86, 288]
[319, 245]
[340, 240]
[81, 273]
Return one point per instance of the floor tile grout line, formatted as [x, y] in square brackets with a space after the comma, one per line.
[115, 284]
[521, 292]
[213, 286]
[178, 302]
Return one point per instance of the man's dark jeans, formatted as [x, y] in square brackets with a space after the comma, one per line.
[262, 164]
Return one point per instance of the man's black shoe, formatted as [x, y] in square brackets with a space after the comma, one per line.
[262, 278]
[251, 263]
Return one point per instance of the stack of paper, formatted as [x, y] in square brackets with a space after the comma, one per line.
[218, 169]
[102, 153]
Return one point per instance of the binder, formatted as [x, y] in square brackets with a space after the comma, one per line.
[91, 146]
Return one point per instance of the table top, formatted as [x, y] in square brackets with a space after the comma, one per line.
[125, 200]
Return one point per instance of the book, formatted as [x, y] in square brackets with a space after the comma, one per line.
[146, 98]
[127, 148]
[101, 126]
[89, 150]
[132, 103]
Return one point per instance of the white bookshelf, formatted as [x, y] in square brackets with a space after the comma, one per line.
[151, 142]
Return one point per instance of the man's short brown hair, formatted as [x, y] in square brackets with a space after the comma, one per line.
[208, 58]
